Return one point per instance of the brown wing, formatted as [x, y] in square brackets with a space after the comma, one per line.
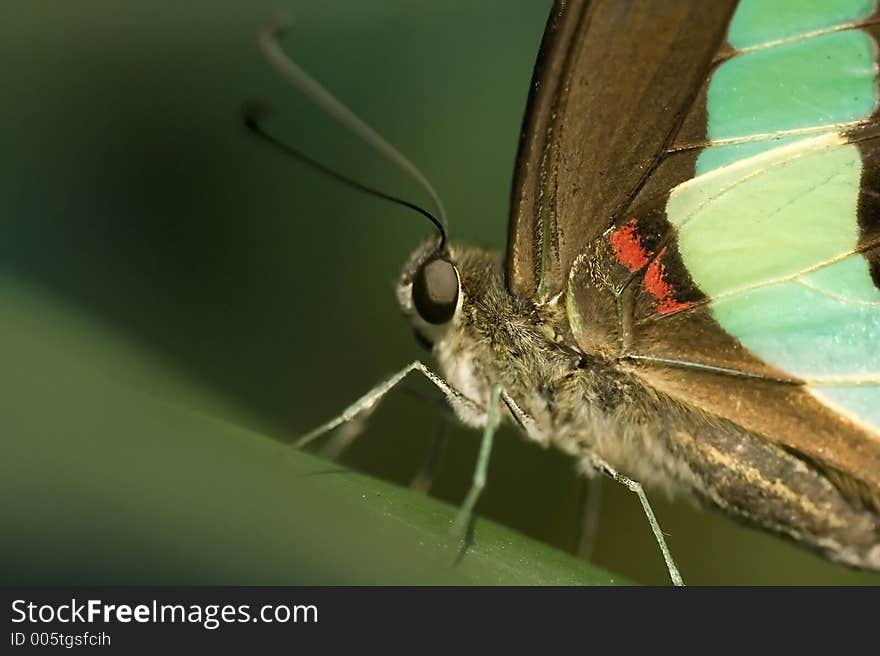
[613, 84]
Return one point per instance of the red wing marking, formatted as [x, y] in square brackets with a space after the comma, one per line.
[656, 285]
[632, 254]
[628, 247]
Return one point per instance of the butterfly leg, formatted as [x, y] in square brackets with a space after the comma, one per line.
[462, 406]
[636, 487]
[590, 510]
[462, 521]
[344, 435]
[424, 478]
[460, 403]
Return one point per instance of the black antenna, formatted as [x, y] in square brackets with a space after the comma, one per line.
[253, 114]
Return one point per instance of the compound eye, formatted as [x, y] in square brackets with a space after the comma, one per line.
[435, 290]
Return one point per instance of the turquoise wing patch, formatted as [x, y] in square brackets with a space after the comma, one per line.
[774, 229]
[772, 96]
[775, 243]
[761, 22]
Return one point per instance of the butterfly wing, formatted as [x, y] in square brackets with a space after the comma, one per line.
[747, 292]
[612, 85]
[722, 241]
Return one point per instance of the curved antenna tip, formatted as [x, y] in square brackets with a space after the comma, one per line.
[289, 70]
[253, 112]
[275, 29]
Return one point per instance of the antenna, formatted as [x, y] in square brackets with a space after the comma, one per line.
[293, 73]
[254, 112]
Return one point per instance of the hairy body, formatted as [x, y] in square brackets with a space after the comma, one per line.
[593, 406]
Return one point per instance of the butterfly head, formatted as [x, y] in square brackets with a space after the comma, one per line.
[429, 292]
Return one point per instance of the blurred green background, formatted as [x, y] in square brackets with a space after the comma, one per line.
[139, 217]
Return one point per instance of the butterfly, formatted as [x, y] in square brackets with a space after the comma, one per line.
[690, 297]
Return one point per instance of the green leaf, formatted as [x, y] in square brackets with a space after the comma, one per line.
[117, 470]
